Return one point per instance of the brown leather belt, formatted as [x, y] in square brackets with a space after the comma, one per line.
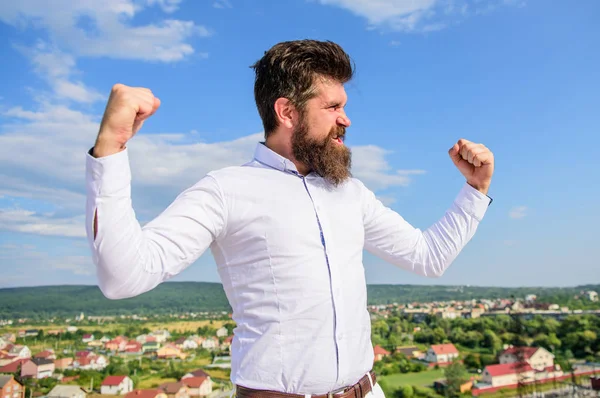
[358, 390]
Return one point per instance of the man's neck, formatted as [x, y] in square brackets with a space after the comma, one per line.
[284, 149]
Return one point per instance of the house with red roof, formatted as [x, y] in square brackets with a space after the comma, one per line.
[175, 389]
[537, 357]
[198, 386]
[133, 347]
[21, 351]
[380, 353]
[116, 385]
[63, 363]
[506, 374]
[13, 366]
[441, 354]
[48, 354]
[90, 362]
[148, 393]
[87, 338]
[196, 373]
[38, 368]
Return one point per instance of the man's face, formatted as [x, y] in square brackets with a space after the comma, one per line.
[318, 140]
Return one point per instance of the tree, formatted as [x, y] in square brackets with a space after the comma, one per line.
[492, 341]
[472, 361]
[456, 376]
[404, 392]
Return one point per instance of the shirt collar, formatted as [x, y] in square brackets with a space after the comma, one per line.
[268, 157]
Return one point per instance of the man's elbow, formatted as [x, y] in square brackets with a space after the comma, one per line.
[113, 292]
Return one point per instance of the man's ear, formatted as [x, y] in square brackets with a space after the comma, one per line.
[286, 113]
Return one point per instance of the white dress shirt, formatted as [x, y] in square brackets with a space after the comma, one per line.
[289, 252]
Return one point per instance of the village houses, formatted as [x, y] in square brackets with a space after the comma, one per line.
[37, 368]
[441, 354]
[116, 385]
[9, 387]
[66, 391]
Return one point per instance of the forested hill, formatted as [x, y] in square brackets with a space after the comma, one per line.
[179, 297]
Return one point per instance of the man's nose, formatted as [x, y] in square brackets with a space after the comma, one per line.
[344, 120]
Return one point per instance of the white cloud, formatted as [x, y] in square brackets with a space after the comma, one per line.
[78, 265]
[222, 4]
[103, 28]
[38, 267]
[168, 6]
[518, 212]
[27, 221]
[57, 68]
[370, 166]
[417, 15]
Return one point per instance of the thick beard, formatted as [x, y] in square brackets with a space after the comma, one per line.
[330, 160]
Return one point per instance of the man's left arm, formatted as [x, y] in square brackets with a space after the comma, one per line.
[430, 252]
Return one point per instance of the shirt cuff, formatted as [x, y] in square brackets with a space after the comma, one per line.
[108, 175]
[472, 201]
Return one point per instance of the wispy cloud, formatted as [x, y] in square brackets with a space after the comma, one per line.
[417, 15]
[105, 28]
[518, 212]
[38, 267]
[370, 166]
[222, 4]
[27, 221]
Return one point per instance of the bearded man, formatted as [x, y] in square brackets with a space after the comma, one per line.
[287, 229]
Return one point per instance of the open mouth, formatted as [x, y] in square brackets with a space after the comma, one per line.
[338, 139]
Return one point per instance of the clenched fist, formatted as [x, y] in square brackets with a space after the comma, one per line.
[125, 113]
[475, 162]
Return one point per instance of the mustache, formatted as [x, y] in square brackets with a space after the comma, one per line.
[339, 131]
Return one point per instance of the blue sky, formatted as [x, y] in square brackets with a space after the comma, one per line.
[520, 76]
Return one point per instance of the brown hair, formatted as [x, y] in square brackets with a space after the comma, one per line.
[289, 70]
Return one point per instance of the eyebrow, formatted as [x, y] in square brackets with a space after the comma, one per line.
[332, 103]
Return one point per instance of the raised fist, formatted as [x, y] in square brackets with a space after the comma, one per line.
[125, 113]
[475, 162]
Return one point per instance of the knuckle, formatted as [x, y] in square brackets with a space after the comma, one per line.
[118, 87]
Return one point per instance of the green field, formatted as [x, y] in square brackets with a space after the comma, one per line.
[421, 379]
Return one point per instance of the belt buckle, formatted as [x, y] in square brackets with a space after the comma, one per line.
[332, 394]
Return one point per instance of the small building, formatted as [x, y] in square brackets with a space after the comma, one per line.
[66, 391]
[38, 368]
[147, 393]
[410, 352]
[151, 346]
[175, 390]
[87, 338]
[195, 373]
[116, 385]
[441, 353]
[63, 363]
[9, 387]
[538, 357]
[170, 351]
[222, 332]
[48, 354]
[210, 343]
[198, 386]
[440, 386]
[380, 353]
[506, 374]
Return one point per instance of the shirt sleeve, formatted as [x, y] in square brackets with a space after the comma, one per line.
[131, 259]
[430, 252]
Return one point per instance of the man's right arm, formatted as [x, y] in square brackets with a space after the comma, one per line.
[131, 259]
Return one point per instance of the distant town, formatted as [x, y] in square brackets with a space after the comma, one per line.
[496, 347]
